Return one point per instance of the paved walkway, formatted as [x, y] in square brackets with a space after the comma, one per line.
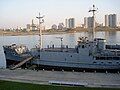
[43, 77]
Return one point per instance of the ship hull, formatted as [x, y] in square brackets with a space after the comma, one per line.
[64, 67]
[10, 63]
[78, 65]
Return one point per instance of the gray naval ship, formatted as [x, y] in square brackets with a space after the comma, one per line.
[87, 54]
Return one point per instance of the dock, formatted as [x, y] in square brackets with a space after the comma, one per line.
[86, 79]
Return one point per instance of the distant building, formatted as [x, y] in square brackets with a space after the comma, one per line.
[111, 20]
[60, 26]
[106, 21]
[28, 27]
[31, 27]
[90, 22]
[54, 27]
[71, 23]
[66, 23]
[85, 22]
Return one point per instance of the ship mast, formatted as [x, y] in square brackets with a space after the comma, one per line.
[41, 20]
[93, 27]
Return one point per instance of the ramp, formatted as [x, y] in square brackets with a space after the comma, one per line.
[21, 63]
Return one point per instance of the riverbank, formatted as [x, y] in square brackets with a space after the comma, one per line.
[49, 32]
[9, 33]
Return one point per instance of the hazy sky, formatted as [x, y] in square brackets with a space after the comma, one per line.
[15, 13]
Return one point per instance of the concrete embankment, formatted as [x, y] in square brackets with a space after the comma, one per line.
[111, 80]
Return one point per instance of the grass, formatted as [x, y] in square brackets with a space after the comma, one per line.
[9, 85]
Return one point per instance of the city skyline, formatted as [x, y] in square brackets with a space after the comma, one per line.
[20, 12]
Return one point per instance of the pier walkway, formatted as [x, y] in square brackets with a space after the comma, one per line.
[94, 79]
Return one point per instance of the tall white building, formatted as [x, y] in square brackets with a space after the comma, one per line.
[85, 22]
[71, 23]
[28, 27]
[90, 22]
[111, 20]
[66, 23]
[106, 20]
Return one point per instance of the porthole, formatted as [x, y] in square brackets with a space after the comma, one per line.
[38, 55]
[109, 62]
[94, 62]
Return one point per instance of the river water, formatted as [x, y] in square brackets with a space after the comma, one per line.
[69, 39]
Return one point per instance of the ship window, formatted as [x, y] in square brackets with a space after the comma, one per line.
[97, 58]
[101, 62]
[83, 46]
[71, 56]
[109, 58]
[5, 52]
[109, 62]
[94, 62]
[117, 62]
[14, 53]
[115, 58]
[65, 59]
[38, 55]
[102, 58]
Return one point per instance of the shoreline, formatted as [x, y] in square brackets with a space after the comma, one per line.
[11, 33]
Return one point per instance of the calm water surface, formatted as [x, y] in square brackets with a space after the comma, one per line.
[68, 39]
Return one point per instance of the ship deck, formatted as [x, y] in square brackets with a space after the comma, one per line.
[73, 50]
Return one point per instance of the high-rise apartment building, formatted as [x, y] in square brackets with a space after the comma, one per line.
[85, 22]
[90, 22]
[111, 20]
[66, 23]
[71, 23]
[106, 20]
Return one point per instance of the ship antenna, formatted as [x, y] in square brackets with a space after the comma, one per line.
[93, 28]
[41, 20]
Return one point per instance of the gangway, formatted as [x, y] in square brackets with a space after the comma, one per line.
[21, 63]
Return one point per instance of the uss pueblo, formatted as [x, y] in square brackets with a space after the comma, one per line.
[87, 54]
